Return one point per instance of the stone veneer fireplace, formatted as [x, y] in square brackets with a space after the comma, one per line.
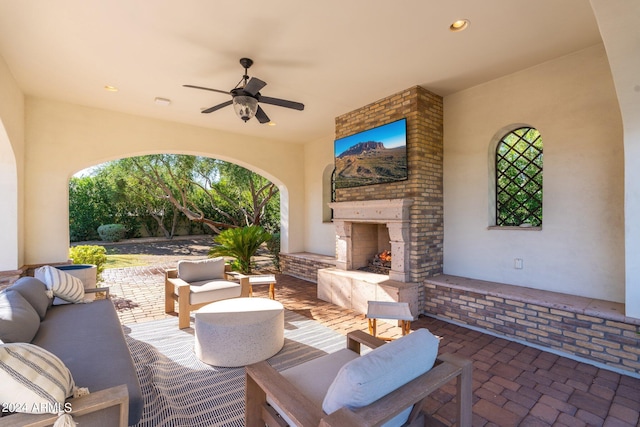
[363, 229]
[366, 228]
[405, 217]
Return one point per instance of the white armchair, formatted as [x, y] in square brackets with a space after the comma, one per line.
[386, 387]
[194, 284]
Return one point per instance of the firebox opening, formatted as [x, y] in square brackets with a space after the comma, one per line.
[369, 241]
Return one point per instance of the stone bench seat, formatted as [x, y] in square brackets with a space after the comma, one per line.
[590, 330]
[607, 310]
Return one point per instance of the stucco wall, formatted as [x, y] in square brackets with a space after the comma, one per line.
[62, 139]
[580, 249]
[320, 236]
[11, 169]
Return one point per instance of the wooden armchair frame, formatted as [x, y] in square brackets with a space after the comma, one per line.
[112, 398]
[262, 380]
[176, 289]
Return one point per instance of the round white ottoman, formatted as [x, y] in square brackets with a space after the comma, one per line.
[239, 331]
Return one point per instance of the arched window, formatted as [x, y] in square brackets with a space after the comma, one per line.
[328, 192]
[519, 178]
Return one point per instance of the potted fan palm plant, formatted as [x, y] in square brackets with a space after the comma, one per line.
[240, 243]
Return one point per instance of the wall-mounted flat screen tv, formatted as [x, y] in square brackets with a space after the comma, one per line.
[374, 156]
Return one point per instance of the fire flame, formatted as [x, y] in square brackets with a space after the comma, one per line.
[385, 256]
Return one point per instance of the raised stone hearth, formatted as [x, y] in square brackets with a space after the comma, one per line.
[353, 289]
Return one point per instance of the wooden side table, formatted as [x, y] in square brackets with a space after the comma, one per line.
[266, 279]
[389, 310]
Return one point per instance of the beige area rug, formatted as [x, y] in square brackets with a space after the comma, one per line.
[180, 390]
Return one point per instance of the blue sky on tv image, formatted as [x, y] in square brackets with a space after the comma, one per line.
[391, 135]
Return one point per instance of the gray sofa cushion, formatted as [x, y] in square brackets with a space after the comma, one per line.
[19, 321]
[97, 356]
[34, 291]
[206, 269]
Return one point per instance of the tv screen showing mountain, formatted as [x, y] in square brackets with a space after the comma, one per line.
[374, 156]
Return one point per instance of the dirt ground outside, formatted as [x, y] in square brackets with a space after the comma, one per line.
[161, 251]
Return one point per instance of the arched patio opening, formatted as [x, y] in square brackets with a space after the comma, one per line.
[9, 224]
[170, 194]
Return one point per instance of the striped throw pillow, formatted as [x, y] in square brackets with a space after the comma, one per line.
[64, 285]
[33, 380]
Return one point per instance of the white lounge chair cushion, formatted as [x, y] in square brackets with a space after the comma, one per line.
[213, 290]
[366, 379]
[322, 370]
[197, 271]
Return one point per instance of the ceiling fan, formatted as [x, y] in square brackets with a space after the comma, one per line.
[246, 95]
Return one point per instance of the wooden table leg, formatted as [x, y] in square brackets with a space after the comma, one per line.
[372, 327]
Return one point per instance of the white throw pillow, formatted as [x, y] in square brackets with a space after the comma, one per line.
[64, 285]
[205, 269]
[34, 380]
[366, 379]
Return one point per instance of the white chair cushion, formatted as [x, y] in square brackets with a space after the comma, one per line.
[366, 379]
[64, 286]
[322, 370]
[213, 290]
[206, 269]
[327, 365]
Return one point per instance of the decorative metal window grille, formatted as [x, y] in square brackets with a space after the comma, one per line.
[519, 178]
[333, 188]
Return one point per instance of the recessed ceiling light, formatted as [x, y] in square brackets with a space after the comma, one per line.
[459, 25]
[162, 101]
[109, 88]
[271, 123]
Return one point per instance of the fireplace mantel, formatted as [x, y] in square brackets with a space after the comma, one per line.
[382, 211]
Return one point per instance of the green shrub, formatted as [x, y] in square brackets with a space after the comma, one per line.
[112, 232]
[89, 254]
[240, 243]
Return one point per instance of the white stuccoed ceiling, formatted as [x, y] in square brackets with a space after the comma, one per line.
[333, 55]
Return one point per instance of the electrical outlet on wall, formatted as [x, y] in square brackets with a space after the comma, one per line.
[518, 263]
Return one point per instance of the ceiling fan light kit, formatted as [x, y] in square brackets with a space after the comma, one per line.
[245, 106]
[246, 96]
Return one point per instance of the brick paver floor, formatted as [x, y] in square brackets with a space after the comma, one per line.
[514, 385]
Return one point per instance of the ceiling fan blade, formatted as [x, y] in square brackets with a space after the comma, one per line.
[254, 86]
[207, 88]
[262, 116]
[216, 107]
[282, 103]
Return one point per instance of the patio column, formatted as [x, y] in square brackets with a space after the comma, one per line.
[399, 233]
[344, 246]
